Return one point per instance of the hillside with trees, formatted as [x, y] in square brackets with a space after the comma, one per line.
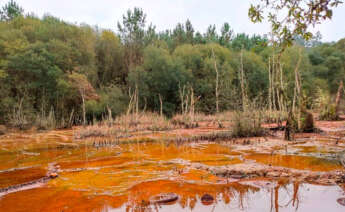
[52, 69]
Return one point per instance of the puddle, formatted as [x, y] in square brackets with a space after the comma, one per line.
[125, 177]
[297, 162]
[19, 176]
[230, 197]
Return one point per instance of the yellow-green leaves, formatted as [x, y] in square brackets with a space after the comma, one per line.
[3, 74]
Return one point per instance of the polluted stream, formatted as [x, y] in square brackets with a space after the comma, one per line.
[50, 171]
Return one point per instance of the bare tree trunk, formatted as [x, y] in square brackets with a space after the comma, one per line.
[161, 104]
[217, 81]
[191, 112]
[182, 98]
[289, 128]
[84, 110]
[131, 100]
[273, 84]
[137, 101]
[70, 118]
[270, 85]
[337, 100]
[281, 87]
[298, 89]
[110, 116]
[294, 99]
[187, 106]
[244, 97]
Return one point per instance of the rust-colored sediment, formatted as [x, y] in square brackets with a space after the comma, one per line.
[15, 177]
[128, 175]
[296, 162]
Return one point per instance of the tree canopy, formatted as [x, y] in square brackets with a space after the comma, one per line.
[48, 63]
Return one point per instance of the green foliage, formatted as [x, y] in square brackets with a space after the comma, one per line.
[328, 112]
[110, 98]
[300, 16]
[10, 11]
[247, 124]
[47, 65]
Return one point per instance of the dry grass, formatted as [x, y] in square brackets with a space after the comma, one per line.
[273, 116]
[123, 125]
[243, 124]
[184, 121]
[247, 124]
[95, 131]
[143, 121]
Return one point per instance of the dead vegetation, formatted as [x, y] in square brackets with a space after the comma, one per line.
[247, 124]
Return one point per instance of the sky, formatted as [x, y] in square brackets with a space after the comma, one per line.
[165, 14]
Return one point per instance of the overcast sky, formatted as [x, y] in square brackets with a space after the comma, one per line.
[164, 14]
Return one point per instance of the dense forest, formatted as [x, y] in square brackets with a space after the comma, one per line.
[53, 69]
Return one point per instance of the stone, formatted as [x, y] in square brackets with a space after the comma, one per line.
[273, 174]
[284, 174]
[207, 199]
[53, 175]
[341, 201]
[237, 176]
[164, 198]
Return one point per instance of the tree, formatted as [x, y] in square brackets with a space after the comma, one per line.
[179, 35]
[205, 63]
[109, 55]
[226, 35]
[132, 32]
[10, 11]
[160, 77]
[285, 27]
[189, 32]
[211, 34]
[299, 16]
[85, 89]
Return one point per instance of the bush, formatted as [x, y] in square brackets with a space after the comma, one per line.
[247, 124]
[143, 121]
[184, 121]
[306, 121]
[44, 122]
[328, 113]
[328, 110]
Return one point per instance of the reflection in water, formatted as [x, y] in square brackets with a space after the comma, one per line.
[283, 197]
[232, 197]
[297, 162]
[125, 177]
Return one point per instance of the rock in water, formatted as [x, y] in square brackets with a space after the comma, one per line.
[207, 199]
[53, 175]
[164, 198]
[341, 201]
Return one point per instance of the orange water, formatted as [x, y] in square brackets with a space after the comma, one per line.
[125, 177]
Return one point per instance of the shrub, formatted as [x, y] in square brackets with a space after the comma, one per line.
[44, 122]
[247, 124]
[306, 121]
[328, 113]
[328, 110]
[184, 121]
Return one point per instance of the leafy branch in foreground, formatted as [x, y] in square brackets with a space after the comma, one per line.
[289, 18]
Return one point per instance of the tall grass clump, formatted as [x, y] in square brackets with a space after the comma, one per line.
[327, 109]
[45, 122]
[248, 122]
[143, 121]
